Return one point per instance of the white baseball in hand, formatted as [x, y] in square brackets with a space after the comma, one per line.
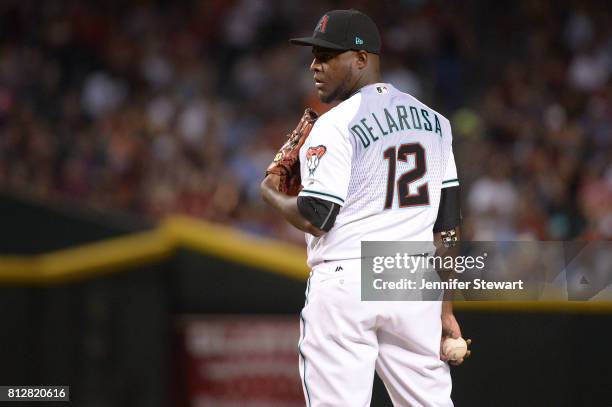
[454, 349]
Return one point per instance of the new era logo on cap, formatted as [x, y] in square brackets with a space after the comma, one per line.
[358, 41]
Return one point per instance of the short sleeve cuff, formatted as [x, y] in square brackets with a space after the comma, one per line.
[450, 183]
[322, 195]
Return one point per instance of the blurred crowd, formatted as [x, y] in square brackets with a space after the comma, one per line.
[152, 107]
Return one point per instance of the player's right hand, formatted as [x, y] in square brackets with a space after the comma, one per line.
[458, 361]
[451, 329]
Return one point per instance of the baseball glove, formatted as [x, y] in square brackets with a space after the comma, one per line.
[286, 163]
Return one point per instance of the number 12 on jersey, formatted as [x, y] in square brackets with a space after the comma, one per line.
[421, 197]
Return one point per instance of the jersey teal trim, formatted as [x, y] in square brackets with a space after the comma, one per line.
[323, 194]
[451, 180]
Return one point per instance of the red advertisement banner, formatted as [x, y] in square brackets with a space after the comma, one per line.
[242, 361]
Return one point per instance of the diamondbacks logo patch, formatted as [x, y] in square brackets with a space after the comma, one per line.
[313, 157]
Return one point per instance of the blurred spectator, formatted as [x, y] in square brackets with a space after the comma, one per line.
[156, 108]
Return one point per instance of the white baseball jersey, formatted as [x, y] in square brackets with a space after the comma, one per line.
[384, 157]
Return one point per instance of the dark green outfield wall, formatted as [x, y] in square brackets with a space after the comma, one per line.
[28, 227]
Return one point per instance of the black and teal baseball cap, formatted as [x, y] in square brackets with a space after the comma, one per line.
[344, 30]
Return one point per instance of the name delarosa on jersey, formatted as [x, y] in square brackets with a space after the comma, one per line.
[368, 130]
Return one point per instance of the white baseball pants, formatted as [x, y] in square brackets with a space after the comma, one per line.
[343, 340]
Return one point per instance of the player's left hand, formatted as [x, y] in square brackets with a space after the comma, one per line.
[451, 329]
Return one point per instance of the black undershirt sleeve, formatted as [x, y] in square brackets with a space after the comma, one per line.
[449, 213]
[319, 212]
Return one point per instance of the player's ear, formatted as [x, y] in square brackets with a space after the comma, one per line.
[361, 59]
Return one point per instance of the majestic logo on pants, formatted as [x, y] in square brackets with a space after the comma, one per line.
[313, 156]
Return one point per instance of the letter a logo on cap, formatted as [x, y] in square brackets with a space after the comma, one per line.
[322, 26]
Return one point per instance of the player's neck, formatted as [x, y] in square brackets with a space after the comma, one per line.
[364, 81]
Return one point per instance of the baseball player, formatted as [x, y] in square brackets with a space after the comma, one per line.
[378, 166]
